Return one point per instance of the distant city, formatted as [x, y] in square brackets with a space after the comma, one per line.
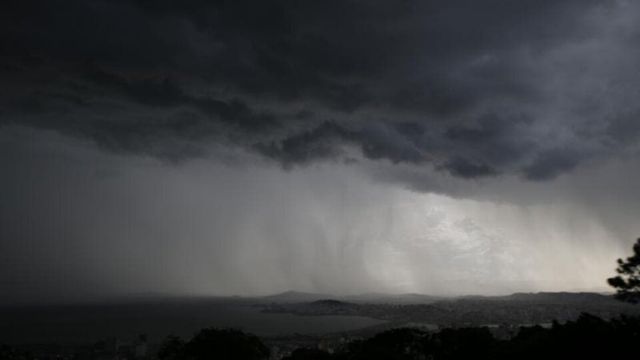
[285, 322]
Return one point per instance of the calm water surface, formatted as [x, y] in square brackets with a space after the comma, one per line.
[75, 324]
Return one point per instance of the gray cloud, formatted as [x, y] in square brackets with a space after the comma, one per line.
[469, 88]
[413, 132]
[79, 224]
[551, 163]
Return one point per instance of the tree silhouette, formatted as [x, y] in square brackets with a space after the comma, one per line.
[213, 343]
[225, 344]
[172, 348]
[627, 283]
[308, 354]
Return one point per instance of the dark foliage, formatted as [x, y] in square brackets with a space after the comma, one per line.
[588, 337]
[309, 354]
[398, 344]
[219, 344]
[627, 283]
[9, 353]
[476, 343]
[171, 348]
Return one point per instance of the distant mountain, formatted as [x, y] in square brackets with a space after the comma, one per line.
[422, 299]
[515, 309]
[547, 298]
[294, 297]
[561, 297]
[330, 303]
[397, 299]
[368, 298]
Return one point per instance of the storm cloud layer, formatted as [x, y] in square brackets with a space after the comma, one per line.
[474, 89]
[524, 104]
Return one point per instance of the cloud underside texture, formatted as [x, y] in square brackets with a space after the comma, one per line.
[522, 113]
[470, 89]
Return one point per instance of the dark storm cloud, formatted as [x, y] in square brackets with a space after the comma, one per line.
[315, 144]
[166, 93]
[465, 87]
[516, 120]
[467, 169]
[325, 141]
[551, 163]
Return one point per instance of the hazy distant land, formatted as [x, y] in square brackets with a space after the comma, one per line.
[292, 313]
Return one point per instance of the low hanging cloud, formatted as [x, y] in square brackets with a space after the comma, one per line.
[470, 89]
[439, 147]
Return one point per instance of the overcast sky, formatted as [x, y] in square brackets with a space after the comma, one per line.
[336, 146]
